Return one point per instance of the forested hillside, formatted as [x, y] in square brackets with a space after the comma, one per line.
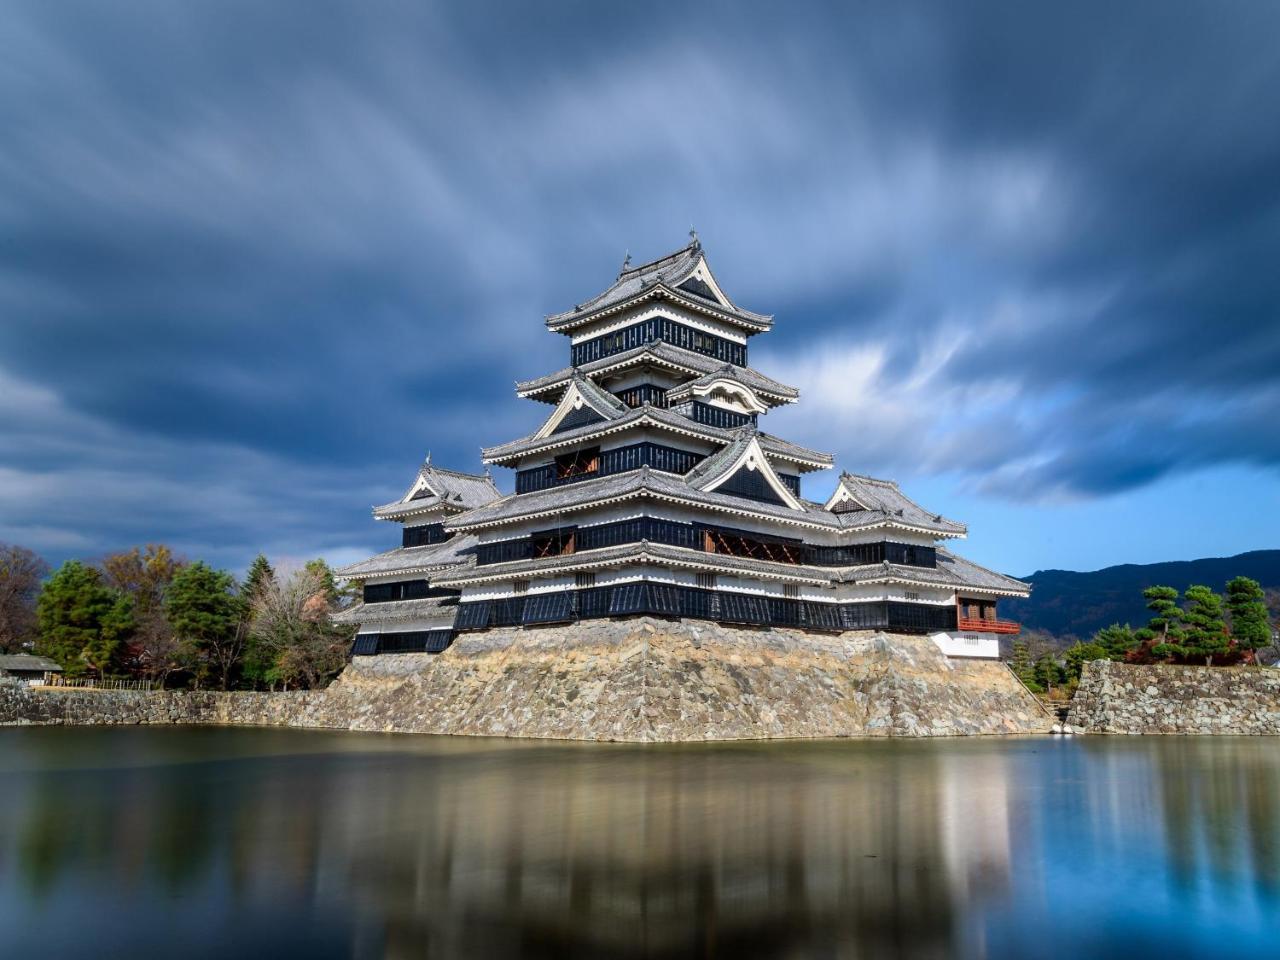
[1068, 602]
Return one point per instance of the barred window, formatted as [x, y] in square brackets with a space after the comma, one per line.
[584, 580]
[791, 590]
[553, 607]
[474, 616]
[520, 586]
[707, 581]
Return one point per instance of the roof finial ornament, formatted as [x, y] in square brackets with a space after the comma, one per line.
[626, 262]
[693, 238]
[427, 462]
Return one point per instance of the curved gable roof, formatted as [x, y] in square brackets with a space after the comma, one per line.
[435, 488]
[683, 275]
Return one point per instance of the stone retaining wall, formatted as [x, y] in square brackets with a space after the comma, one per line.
[636, 680]
[1131, 698]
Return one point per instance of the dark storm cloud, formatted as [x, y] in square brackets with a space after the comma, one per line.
[255, 258]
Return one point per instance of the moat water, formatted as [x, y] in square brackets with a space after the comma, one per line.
[208, 842]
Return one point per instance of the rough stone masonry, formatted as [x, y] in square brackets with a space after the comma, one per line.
[1131, 698]
[640, 680]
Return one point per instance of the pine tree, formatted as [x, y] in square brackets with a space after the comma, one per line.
[1165, 628]
[208, 618]
[1206, 632]
[1048, 672]
[81, 621]
[259, 574]
[1116, 640]
[1078, 654]
[1021, 664]
[1250, 623]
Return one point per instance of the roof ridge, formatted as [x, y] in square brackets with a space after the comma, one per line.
[690, 247]
[862, 476]
[460, 473]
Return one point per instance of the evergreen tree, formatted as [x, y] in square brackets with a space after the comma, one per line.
[1116, 640]
[1022, 665]
[260, 573]
[208, 618]
[81, 620]
[1206, 630]
[1165, 628]
[1078, 654]
[1250, 624]
[1048, 672]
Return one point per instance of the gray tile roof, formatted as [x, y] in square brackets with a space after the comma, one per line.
[405, 559]
[660, 553]
[713, 466]
[432, 609]
[883, 499]
[660, 353]
[655, 485]
[28, 662]
[772, 445]
[952, 572]
[447, 490]
[660, 277]
[599, 399]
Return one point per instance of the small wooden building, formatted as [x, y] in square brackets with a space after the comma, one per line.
[27, 667]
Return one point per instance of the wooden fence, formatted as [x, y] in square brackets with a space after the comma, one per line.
[89, 683]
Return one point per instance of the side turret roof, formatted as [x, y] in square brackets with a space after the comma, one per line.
[727, 378]
[438, 489]
[857, 496]
[683, 277]
[742, 453]
[404, 560]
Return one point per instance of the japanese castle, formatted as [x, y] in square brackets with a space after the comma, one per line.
[652, 489]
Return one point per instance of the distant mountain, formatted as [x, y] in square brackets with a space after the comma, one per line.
[1066, 602]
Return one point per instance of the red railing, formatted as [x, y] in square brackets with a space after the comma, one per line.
[982, 625]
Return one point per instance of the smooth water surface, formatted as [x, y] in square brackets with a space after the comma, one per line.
[137, 842]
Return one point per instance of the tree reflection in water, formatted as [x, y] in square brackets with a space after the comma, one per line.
[359, 845]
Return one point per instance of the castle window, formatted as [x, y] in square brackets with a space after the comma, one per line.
[577, 464]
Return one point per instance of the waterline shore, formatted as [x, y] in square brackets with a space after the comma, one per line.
[640, 680]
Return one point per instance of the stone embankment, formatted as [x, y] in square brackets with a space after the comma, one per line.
[639, 680]
[1129, 698]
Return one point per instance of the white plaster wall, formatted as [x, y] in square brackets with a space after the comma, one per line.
[966, 644]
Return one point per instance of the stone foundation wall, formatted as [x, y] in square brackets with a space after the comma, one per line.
[1129, 698]
[640, 680]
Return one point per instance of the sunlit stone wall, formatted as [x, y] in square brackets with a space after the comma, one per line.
[634, 680]
[1131, 698]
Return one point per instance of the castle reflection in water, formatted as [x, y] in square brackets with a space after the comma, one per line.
[408, 847]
